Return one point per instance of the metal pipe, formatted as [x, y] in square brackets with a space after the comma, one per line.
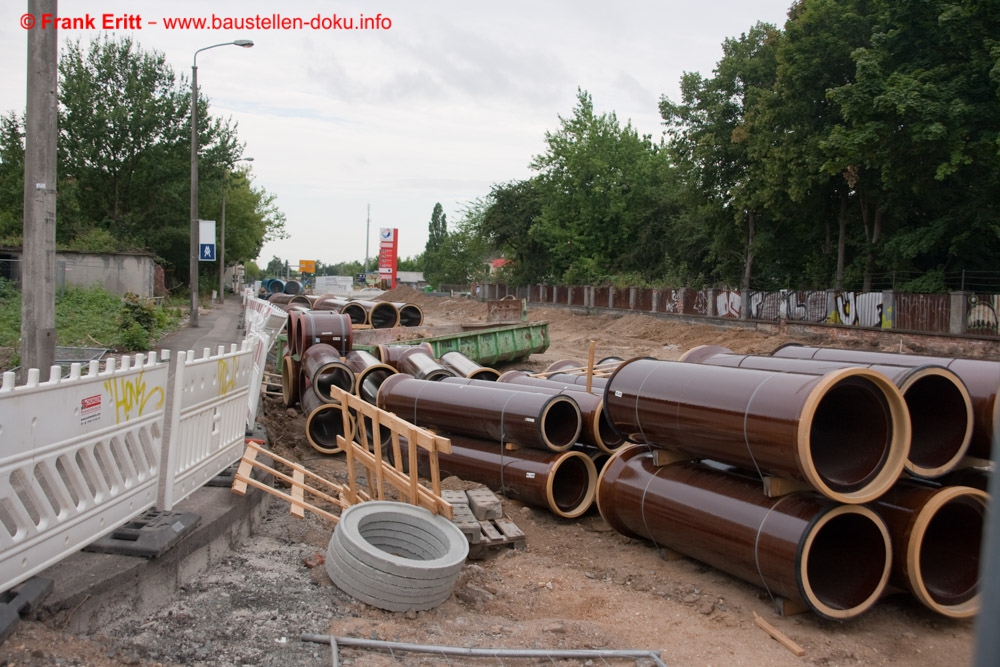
[832, 557]
[845, 433]
[389, 354]
[939, 405]
[321, 326]
[410, 314]
[292, 287]
[463, 367]
[562, 482]
[419, 364]
[322, 369]
[324, 423]
[597, 427]
[550, 654]
[380, 314]
[937, 535]
[981, 378]
[369, 373]
[493, 413]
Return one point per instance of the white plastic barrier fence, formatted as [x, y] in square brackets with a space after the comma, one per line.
[79, 456]
[264, 322]
[207, 419]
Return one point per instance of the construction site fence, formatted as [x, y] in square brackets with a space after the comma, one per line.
[85, 452]
[956, 313]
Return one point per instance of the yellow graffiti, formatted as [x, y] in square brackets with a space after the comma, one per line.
[131, 396]
[228, 369]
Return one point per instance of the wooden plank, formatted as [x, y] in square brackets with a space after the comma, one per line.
[775, 487]
[490, 532]
[777, 634]
[245, 469]
[298, 494]
[509, 529]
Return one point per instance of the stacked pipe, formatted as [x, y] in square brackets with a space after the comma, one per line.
[850, 528]
[938, 403]
[513, 440]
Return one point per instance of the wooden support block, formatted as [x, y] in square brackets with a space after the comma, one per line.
[298, 494]
[973, 462]
[775, 487]
[664, 457]
[669, 554]
[510, 531]
[777, 634]
[786, 607]
[245, 470]
[484, 504]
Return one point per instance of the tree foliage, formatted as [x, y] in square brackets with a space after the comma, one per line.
[124, 161]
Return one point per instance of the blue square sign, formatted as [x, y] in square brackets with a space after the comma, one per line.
[207, 252]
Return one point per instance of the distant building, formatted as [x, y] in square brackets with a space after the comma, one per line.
[497, 264]
[414, 279]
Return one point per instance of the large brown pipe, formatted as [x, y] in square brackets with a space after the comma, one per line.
[322, 370]
[597, 427]
[563, 482]
[937, 538]
[939, 405]
[834, 558]
[981, 378]
[380, 314]
[410, 314]
[369, 373]
[324, 423]
[492, 413]
[597, 384]
[463, 367]
[323, 326]
[846, 433]
[389, 354]
[290, 369]
[419, 364]
[288, 299]
[329, 302]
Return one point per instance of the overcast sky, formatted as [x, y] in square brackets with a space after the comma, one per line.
[448, 98]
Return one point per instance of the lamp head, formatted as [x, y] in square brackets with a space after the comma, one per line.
[245, 43]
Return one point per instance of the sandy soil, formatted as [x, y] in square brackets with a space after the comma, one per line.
[578, 584]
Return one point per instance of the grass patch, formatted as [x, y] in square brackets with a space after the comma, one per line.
[93, 317]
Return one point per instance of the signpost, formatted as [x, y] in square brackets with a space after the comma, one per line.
[387, 255]
[206, 240]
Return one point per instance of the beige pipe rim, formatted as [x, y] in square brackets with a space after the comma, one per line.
[898, 446]
[921, 374]
[319, 413]
[551, 492]
[813, 597]
[918, 536]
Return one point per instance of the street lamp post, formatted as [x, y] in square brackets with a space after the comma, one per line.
[222, 236]
[193, 272]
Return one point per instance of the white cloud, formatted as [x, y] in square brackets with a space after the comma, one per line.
[454, 97]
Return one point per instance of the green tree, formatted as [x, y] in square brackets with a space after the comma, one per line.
[462, 255]
[11, 178]
[275, 268]
[602, 194]
[437, 234]
[713, 136]
[513, 209]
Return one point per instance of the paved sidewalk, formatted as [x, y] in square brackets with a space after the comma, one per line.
[219, 326]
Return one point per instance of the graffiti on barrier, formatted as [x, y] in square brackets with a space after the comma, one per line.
[857, 309]
[227, 371]
[131, 397]
[727, 303]
[981, 317]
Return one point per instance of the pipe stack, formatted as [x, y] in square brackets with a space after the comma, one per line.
[848, 529]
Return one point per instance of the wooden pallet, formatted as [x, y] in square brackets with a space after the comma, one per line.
[497, 533]
[478, 514]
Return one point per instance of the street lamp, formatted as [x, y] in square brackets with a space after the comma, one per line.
[193, 273]
[222, 237]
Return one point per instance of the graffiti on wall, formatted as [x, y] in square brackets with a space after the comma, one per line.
[981, 316]
[857, 309]
[728, 303]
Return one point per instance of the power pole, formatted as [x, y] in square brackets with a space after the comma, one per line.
[38, 265]
[368, 224]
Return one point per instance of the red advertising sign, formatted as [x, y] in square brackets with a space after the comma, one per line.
[387, 255]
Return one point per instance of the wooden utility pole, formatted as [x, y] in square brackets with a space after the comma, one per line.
[38, 265]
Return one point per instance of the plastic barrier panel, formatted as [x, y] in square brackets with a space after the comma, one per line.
[207, 422]
[264, 322]
[79, 456]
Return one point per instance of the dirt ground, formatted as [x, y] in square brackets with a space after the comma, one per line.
[577, 584]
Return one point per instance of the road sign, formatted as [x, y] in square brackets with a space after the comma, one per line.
[206, 240]
[206, 252]
[307, 265]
